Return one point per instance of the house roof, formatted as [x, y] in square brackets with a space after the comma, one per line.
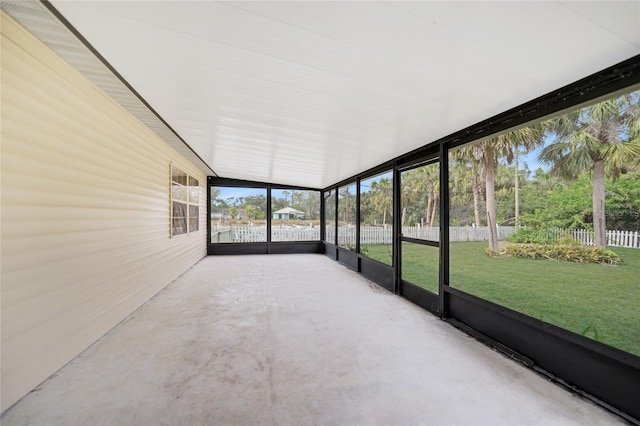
[311, 93]
[288, 210]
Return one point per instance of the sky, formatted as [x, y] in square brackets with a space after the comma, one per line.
[233, 192]
[227, 192]
[366, 184]
[532, 158]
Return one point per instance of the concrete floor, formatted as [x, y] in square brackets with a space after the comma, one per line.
[293, 340]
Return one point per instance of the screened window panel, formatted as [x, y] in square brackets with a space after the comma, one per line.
[295, 215]
[330, 216]
[238, 214]
[376, 217]
[420, 199]
[525, 238]
[347, 216]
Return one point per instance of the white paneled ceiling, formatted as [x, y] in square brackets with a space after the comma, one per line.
[310, 93]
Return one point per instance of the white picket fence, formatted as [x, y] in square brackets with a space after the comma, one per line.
[347, 234]
[295, 234]
[256, 234]
[628, 239]
[384, 235]
[381, 235]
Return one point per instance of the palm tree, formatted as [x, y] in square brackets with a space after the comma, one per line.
[409, 190]
[346, 203]
[488, 153]
[381, 197]
[435, 195]
[601, 139]
[516, 187]
[428, 178]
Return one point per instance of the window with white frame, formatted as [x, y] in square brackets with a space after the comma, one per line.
[185, 202]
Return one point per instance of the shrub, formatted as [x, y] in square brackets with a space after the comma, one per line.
[531, 235]
[570, 251]
[491, 253]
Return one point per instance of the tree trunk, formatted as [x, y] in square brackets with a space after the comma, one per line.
[599, 220]
[476, 197]
[489, 173]
[428, 212]
[429, 190]
[384, 217]
[404, 213]
[433, 212]
[346, 209]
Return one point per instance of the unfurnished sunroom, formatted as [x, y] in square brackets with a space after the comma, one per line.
[480, 160]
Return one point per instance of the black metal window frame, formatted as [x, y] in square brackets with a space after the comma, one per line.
[411, 291]
[368, 176]
[355, 183]
[429, 161]
[268, 246]
[323, 209]
[605, 374]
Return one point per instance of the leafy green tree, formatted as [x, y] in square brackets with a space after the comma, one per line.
[251, 212]
[534, 190]
[310, 204]
[602, 139]
[566, 206]
[216, 202]
[258, 201]
[623, 205]
[285, 195]
[278, 203]
[215, 193]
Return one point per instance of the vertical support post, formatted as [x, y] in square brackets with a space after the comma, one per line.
[335, 219]
[208, 212]
[444, 232]
[323, 229]
[357, 218]
[397, 229]
[269, 214]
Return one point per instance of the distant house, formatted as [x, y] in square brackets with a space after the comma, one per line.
[288, 213]
[225, 214]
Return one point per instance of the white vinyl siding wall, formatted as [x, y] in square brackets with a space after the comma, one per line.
[85, 213]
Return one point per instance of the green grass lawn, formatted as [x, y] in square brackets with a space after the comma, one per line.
[380, 252]
[599, 301]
